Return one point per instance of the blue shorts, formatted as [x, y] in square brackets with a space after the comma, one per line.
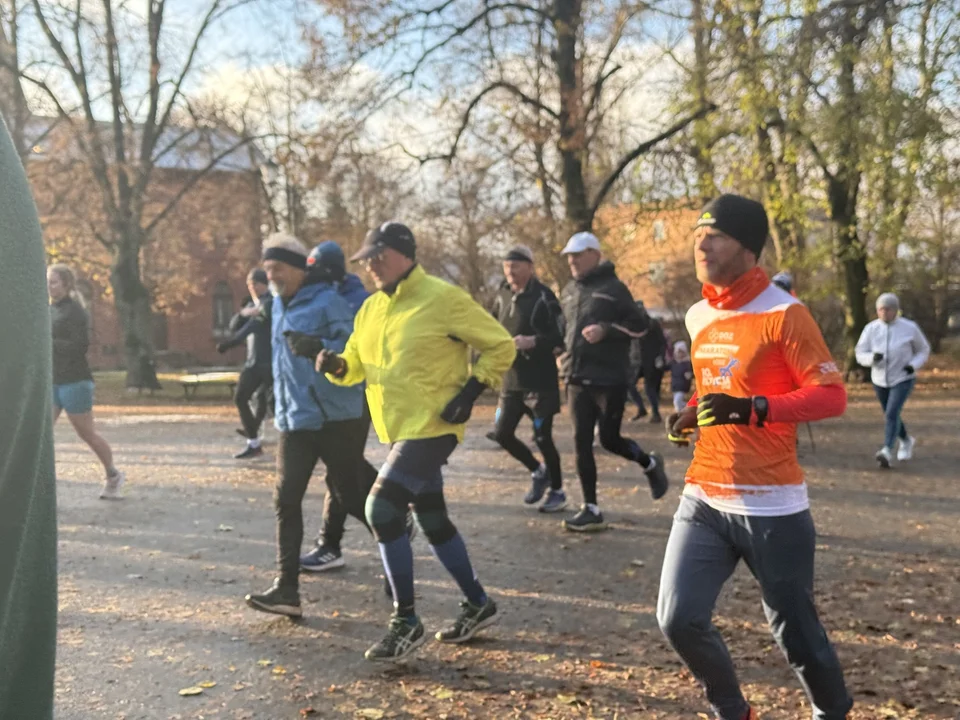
[75, 398]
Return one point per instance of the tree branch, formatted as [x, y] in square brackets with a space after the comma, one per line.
[644, 148]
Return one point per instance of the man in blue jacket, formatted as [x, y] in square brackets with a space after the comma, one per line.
[316, 419]
[327, 264]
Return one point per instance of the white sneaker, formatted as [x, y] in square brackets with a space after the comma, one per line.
[112, 485]
[906, 449]
[884, 457]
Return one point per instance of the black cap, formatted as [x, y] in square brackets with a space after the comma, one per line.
[741, 218]
[389, 235]
[259, 275]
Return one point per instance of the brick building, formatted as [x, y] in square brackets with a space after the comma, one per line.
[197, 261]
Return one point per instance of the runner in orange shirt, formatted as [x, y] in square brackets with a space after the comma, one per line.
[761, 367]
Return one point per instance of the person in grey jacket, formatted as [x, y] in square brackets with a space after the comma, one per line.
[894, 348]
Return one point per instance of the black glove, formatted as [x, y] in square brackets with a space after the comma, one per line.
[222, 347]
[721, 409]
[681, 425]
[458, 410]
[303, 345]
[909, 369]
[329, 362]
[877, 358]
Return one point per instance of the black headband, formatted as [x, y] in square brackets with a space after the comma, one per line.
[289, 257]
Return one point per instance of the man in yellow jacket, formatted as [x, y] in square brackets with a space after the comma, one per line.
[411, 344]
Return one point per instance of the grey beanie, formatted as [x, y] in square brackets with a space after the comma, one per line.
[888, 300]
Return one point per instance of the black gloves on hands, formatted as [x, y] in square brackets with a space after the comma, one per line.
[458, 410]
[308, 346]
[877, 358]
[222, 348]
[721, 409]
[329, 362]
[909, 369]
[681, 425]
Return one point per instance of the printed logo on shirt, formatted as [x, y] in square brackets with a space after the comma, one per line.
[716, 351]
[721, 336]
[829, 368]
[721, 379]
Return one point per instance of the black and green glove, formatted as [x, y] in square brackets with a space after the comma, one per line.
[721, 409]
[458, 410]
[681, 426]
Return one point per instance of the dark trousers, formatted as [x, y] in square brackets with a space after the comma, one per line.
[339, 445]
[593, 406]
[652, 380]
[704, 548]
[254, 384]
[334, 510]
[511, 409]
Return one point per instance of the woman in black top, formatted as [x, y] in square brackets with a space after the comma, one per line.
[72, 380]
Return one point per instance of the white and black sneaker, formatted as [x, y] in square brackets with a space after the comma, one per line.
[472, 619]
[905, 451]
[321, 559]
[401, 639]
[112, 486]
[884, 457]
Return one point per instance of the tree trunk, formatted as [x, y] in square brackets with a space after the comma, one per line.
[134, 309]
[702, 128]
[566, 22]
[853, 259]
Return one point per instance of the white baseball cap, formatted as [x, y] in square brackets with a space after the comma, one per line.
[581, 241]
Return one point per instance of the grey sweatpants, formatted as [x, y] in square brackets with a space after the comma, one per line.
[704, 548]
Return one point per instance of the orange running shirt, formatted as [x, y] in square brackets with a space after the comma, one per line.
[769, 346]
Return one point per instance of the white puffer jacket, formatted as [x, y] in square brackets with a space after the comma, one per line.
[901, 343]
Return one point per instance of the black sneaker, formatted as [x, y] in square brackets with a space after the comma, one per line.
[249, 453]
[586, 521]
[279, 600]
[401, 639]
[657, 477]
[321, 559]
[472, 619]
[540, 481]
[492, 436]
[655, 419]
[642, 413]
[555, 502]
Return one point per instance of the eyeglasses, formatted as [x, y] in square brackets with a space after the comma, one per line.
[372, 260]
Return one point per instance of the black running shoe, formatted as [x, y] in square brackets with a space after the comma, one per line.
[657, 477]
[249, 453]
[586, 521]
[401, 639]
[279, 600]
[472, 619]
[539, 482]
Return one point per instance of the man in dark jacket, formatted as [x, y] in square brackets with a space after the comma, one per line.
[531, 314]
[252, 324]
[601, 320]
[28, 505]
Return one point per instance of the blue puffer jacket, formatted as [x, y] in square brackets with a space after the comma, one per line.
[352, 290]
[305, 399]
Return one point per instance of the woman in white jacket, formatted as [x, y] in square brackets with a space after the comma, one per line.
[894, 348]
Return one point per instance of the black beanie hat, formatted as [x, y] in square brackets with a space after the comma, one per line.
[741, 218]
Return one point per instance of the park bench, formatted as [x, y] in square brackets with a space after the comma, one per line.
[194, 381]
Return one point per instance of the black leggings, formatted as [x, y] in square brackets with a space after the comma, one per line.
[510, 411]
[604, 405]
[349, 476]
[254, 381]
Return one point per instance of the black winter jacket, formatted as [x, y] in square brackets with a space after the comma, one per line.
[599, 298]
[71, 339]
[533, 311]
[256, 331]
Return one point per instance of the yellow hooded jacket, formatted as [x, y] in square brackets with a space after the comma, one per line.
[413, 350]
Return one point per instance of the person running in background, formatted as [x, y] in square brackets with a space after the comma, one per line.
[894, 348]
[531, 313]
[72, 379]
[316, 419]
[28, 495]
[411, 345]
[681, 375]
[784, 281]
[761, 366]
[601, 319]
[253, 324]
[649, 353]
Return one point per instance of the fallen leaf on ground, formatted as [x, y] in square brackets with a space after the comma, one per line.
[191, 691]
[370, 713]
[207, 684]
